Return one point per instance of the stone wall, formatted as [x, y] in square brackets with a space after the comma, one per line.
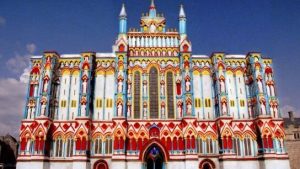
[293, 149]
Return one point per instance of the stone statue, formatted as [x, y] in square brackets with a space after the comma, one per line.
[187, 85]
[120, 86]
[189, 108]
[43, 109]
[222, 86]
[120, 109]
[224, 108]
[45, 88]
[84, 86]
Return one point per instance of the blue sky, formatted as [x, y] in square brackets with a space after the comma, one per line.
[73, 26]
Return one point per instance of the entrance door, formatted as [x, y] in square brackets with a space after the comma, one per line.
[154, 159]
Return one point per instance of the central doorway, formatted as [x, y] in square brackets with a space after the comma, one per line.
[154, 158]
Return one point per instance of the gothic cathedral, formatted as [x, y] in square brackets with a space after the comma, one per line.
[151, 104]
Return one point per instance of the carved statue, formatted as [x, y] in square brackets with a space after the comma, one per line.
[222, 86]
[84, 86]
[129, 88]
[179, 109]
[162, 88]
[260, 87]
[129, 110]
[145, 88]
[45, 88]
[224, 108]
[43, 109]
[187, 85]
[272, 90]
[120, 109]
[162, 109]
[189, 108]
[275, 111]
[83, 109]
[120, 86]
[263, 108]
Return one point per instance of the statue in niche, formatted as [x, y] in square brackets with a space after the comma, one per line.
[275, 111]
[45, 88]
[84, 86]
[162, 109]
[128, 109]
[263, 108]
[152, 28]
[224, 108]
[31, 109]
[120, 109]
[268, 90]
[43, 108]
[179, 109]
[260, 86]
[120, 85]
[145, 110]
[162, 87]
[189, 109]
[129, 87]
[187, 85]
[145, 88]
[83, 109]
[222, 85]
[272, 90]
[250, 110]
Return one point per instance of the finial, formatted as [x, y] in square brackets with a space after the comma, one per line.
[181, 12]
[152, 6]
[123, 11]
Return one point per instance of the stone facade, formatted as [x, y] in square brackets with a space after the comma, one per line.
[8, 152]
[151, 103]
[292, 143]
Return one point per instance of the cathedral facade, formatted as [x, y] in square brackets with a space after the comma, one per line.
[151, 104]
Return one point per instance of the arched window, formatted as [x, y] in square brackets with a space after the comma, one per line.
[108, 146]
[137, 95]
[69, 147]
[200, 145]
[153, 88]
[247, 146]
[98, 146]
[170, 95]
[237, 146]
[209, 146]
[58, 147]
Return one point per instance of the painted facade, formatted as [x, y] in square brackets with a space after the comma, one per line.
[151, 103]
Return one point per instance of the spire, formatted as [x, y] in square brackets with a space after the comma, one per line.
[123, 11]
[123, 20]
[182, 21]
[152, 11]
[181, 12]
[152, 5]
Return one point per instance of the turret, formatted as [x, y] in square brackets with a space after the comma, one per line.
[182, 21]
[123, 21]
[152, 10]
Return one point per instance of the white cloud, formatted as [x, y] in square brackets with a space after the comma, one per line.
[13, 92]
[31, 48]
[2, 21]
[12, 102]
[24, 78]
[18, 63]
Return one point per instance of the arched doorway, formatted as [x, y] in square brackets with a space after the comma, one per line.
[207, 164]
[100, 164]
[154, 158]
